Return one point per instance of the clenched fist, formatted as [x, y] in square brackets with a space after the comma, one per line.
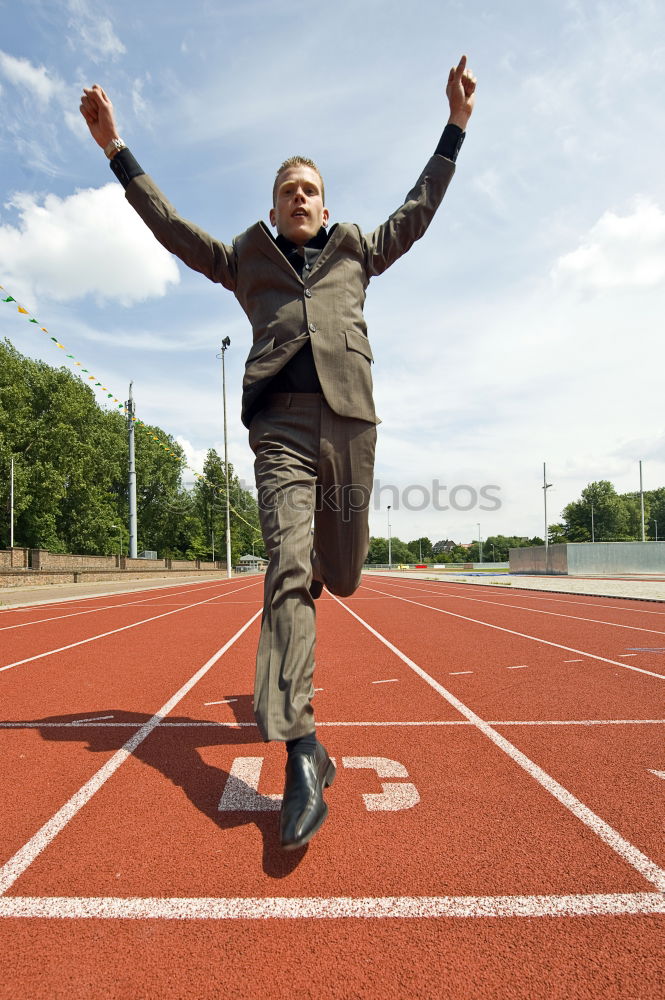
[97, 110]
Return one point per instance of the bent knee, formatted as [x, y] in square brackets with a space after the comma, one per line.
[343, 587]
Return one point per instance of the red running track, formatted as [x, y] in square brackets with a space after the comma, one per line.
[495, 829]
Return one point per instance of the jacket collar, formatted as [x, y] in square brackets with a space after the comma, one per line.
[270, 247]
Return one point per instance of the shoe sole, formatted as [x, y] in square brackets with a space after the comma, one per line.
[328, 779]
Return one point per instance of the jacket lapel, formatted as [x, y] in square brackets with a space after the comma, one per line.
[267, 246]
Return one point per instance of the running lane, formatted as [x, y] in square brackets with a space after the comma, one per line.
[438, 845]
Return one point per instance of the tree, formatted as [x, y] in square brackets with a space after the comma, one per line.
[611, 516]
[210, 504]
[420, 548]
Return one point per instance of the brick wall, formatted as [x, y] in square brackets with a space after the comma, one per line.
[45, 561]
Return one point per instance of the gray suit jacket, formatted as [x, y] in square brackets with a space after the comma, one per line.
[284, 309]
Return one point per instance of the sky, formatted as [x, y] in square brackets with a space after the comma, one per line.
[525, 327]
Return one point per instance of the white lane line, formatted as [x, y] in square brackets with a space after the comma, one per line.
[573, 661]
[458, 673]
[204, 723]
[522, 635]
[611, 837]
[64, 602]
[99, 718]
[390, 680]
[104, 607]
[24, 857]
[626, 654]
[524, 595]
[308, 908]
[520, 666]
[659, 774]
[535, 611]
[122, 628]
[224, 701]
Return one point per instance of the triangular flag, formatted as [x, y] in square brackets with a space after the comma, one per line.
[22, 310]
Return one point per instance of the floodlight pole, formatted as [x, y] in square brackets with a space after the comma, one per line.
[11, 505]
[641, 500]
[131, 485]
[226, 343]
[390, 554]
[546, 487]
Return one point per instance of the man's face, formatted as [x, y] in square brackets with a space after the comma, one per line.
[299, 213]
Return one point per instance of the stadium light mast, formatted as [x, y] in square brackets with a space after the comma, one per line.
[641, 500]
[11, 504]
[546, 487]
[226, 343]
[131, 484]
[390, 553]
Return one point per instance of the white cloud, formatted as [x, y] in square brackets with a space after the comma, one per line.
[90, 243]
[22, 73]
[96, 32]
[618, 252]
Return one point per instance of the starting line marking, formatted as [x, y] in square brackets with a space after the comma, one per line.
[298, 908]
[205, 723]
[390, 680]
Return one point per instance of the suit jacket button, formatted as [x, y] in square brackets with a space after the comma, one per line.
[308, 294]
[312, 327]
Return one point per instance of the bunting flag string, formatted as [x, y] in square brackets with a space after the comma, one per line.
[6, 297]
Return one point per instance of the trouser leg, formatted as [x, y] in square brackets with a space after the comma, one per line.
[344, 485]
[286, 444]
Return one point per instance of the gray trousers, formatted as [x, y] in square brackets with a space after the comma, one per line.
[312, 466]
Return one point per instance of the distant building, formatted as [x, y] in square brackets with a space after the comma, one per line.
[445, 545]
[251, 564]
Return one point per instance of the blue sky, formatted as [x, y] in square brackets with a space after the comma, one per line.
[526, 326]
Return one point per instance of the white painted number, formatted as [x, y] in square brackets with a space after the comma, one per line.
[395, 795]
[241, 792]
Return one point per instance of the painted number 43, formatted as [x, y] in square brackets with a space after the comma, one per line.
[241, 792]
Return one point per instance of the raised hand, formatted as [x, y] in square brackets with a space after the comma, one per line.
[460, 91]
[97, 110]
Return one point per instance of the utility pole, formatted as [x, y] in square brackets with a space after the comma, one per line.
[641, 500]
[480, 544]
[226, 343]
[11, 505]
[593, 533]
[390, 554]
[131, 485]
[546, 487]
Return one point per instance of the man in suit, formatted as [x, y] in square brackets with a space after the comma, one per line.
[308, 404]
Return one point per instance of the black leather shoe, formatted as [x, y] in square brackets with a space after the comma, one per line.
[315, 589]
[303, 809]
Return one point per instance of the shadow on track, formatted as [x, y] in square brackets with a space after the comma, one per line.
[172, 749]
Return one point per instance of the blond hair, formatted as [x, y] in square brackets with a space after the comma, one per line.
[296, 161]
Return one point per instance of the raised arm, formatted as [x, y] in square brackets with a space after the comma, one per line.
[409, 222]
[192, 245]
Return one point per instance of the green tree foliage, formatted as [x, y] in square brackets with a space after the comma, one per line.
[613, 517]
[70, 474]
[420, 547]
[378, 551]
[210, 505]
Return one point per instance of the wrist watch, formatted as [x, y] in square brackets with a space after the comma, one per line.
[114, 146]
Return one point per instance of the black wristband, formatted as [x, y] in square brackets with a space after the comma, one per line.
[450, 142]
[125, 167]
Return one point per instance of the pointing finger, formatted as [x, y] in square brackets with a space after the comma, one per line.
[461, 67]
